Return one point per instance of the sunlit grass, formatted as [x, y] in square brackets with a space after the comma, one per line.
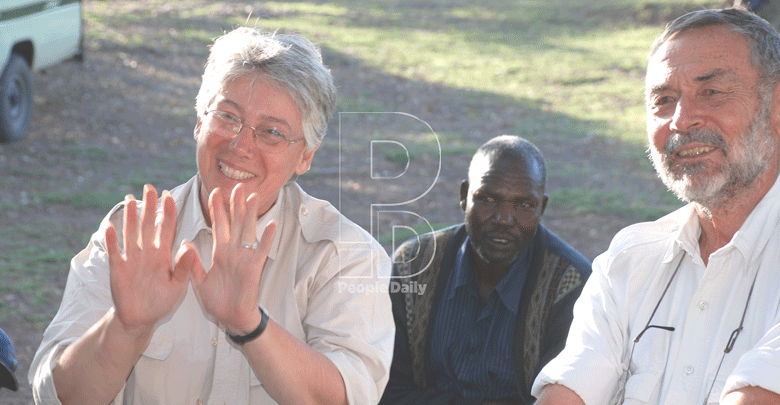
[577, 65]
[563, 56]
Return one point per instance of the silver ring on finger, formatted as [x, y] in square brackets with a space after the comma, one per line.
[248, 245]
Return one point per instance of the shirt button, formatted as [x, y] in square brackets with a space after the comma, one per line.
[304, 211]
[199, 402]
[688, 370]
[214, 342]
[703, 305]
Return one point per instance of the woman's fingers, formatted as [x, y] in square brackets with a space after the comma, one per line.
[247, 224]
[237, 224]
[112, 248]
[130, 228]
[167, 229]
[266, 239]
[188, 262]
[237, 215]
[219, 223]
[148, 216]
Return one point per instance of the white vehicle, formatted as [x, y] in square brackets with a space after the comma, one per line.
[34, 34]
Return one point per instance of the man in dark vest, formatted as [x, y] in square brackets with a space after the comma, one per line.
[493, 296]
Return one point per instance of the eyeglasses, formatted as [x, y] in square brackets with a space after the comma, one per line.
[266, 138]
[733, 338]
[619, 396]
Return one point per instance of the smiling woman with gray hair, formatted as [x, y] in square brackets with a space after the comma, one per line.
[263, 320]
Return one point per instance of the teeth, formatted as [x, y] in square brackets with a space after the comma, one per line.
[695, 151]
[233, 173]
[500, 240]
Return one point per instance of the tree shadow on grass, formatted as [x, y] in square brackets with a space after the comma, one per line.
[396, 153]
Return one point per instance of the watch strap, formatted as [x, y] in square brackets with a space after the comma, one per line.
[240, 340]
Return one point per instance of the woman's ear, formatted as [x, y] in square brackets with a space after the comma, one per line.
[305, 163]
[196, 131]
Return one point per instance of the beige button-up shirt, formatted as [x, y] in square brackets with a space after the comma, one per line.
[315, 252]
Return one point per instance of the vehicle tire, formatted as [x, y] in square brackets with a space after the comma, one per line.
[15, 99]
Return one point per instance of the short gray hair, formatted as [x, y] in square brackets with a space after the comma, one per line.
[516, 148]
[290, 61]
[763, 40]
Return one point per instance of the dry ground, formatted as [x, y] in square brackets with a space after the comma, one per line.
[124, 116]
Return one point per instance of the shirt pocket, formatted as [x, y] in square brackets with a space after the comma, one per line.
[641, 387]
[148, 383]
[159, 348]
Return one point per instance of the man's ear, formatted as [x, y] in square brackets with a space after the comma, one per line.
[464, 194]
[774, 120]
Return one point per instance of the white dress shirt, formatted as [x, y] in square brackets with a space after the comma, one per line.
[704, 304]
[189, 360]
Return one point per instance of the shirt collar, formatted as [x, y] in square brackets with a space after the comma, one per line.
[761, 225]
[462, 273]
[190, 220]
[510, 287]
[751, 238]
[192, 213]
[687, 237]
[273, 213]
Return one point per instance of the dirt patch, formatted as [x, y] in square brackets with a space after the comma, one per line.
[125, 116]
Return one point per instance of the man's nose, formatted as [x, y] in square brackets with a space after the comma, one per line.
[687, 115]
[505, 213]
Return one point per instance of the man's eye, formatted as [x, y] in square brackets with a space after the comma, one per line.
[712, 92]
[660, 101]
[522, 204]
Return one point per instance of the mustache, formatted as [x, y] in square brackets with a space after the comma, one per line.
[679, 139]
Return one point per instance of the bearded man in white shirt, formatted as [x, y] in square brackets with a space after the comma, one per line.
[262, 320]
[686, 310]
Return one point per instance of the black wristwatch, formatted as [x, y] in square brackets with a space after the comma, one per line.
[240, 340]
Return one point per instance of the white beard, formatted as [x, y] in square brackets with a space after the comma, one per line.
[746, 159]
